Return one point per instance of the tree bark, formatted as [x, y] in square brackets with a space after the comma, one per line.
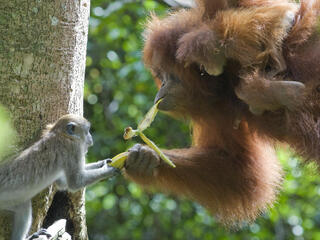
[42, 64]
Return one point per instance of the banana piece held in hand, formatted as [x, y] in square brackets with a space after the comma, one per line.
[118, 161]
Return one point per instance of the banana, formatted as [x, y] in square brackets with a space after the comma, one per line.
[145, 123]
[118, 160]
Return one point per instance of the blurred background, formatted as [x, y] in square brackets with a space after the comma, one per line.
[118, 92]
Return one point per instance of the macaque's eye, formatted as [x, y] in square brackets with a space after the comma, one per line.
[71, 128]
[318, 88]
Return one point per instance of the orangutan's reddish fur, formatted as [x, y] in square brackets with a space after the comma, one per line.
[299, 128]
[251, 35]
[234, 171]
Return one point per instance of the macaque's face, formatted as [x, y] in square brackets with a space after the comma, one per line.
[80, 131]
[171, 92]
[88, 137]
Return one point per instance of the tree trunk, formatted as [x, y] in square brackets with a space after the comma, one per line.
[42, 64]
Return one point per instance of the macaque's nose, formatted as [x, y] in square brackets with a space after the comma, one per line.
[90, 141]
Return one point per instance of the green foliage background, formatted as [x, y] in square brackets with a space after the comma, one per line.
[118, 92]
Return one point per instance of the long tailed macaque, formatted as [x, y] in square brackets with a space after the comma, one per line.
[59, 156]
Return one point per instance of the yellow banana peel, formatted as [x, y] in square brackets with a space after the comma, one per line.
[149, 117]
[118, 160]
[145, 123]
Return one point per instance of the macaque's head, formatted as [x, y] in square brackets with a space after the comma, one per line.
[73, 127]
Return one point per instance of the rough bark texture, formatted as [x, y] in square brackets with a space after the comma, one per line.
[42, 64]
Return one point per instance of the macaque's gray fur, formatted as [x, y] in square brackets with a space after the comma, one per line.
[59, 156]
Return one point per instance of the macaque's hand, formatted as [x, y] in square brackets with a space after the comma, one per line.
[142, 161]
[108, 170]
[41, 232]
[103, 162]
